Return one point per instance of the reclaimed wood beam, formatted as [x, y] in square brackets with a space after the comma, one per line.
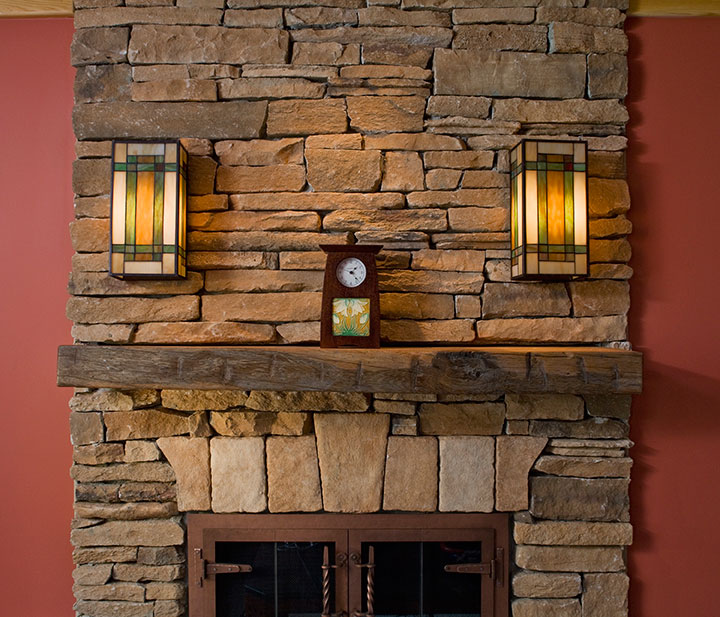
[673, 8]
[36, 8]
[440, 370]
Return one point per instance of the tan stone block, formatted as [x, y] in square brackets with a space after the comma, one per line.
[546, 608]
[451, 261]
[125, 511]
[404, 408]
[270, 88]
[387, 16]
[190, 460]
[238, 474]
[103, 82]
[467, 476]
[602, 428]
[412, 141]
[404, 425]
[411, 474]
[201, 175]
[204, 332]
[284, 71]
[468, 307]
[165, 591]
[608, 405]
[525, 299]
[307, 401]
[100, 284]
[484, 198]
[90, 262]
[343, 170]
[306, 117]
[386, 113]
[567, 37]
[351, 450]
[497, 73]
[416, 306]
[98, 453]
[86, 428]
[501, 37]
[425, 36]
[479, 219]
[553, 330]
[430, 281]
[609, 228]
[221, 260]
[343, 141]
[278, 307]
[403, 172]
[610, 165]
[258, 423]
[485, 179]
[160, 555]
[99, 45]
[132, 310]
[139, 572]
[118, 609]
[621, 272]
[263, 280]
[591, 298]
[443, 179]
[169, 608]
[287, 151]
[104, 555]
[570, 559]
[398, 53]
[459, 160]
[607, 197]
[607, 75]
[377, 71]
[462, 418]
[493, 15]
[130, 533]
[207, 203]
[317, 201]
[175, 90]
[137, 451]
[228, 120]
[394, 240]
[514, 458]
[439, 331]
[172, 44]
[584, 466]
[198, 400]
[260, 179]
[335, 54]
[466, 106]
[589, 16]
[302, 332]
[213, 71]
[136, 472]
[429, 219]
[92, 574]
[101, 400]
[97, 207]
[126, 592]
[544, 407]
[570, 111]
[89, 235]
[546, 585]
[604, 251]
[258, 18]
[320, 16]
[293, 474]
[605, 595]
[160, 72]
[579, 498]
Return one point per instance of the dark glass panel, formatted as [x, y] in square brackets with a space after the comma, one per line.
[449, 593]
[397, 578]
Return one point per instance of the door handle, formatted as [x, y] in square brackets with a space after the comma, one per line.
[326, 567]
[370, 566]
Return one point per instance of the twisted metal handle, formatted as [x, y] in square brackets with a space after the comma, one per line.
[370, 566]
[326, 567]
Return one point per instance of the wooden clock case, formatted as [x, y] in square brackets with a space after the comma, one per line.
[332, 288]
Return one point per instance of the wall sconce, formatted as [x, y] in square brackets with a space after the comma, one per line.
[147, 209]
[549, 212]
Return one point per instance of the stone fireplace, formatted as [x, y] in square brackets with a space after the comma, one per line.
[313, 122]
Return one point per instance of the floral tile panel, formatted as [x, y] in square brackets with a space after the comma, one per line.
[351, 317]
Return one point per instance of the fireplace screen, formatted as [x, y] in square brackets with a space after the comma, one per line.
[348, 565]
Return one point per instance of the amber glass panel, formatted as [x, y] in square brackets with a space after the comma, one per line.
[556, 207]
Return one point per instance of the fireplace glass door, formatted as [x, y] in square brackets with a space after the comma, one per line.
[348, 566]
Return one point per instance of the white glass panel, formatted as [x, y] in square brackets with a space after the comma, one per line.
[531, 151]
[171, 153]
[183, 210]
[580, 208]
[579, 153]
[146, 149]
[531, 208]
[581, 265]
[555, 147]
[143, 267]
[532, 264]
[557, 267]
[515, 271]
[169, 208]
[120, 153]
[168, 263]
[118, 207]
[514, 154]
[117, 263]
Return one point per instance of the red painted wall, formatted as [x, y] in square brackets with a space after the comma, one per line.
[674, 171]
[36, 151]
[675, 183]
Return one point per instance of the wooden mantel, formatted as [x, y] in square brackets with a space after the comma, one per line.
[440, 370]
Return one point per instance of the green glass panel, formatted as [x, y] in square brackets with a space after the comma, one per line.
[120, 167]
[542, 207]
[130, 203]
[168, 248]
[158, 207]
[569, 207]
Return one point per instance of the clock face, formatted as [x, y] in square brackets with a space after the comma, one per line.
[351, 272]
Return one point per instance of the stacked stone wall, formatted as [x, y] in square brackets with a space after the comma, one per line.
[558, 463]
[313, 121]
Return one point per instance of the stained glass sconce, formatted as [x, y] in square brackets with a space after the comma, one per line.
[549, 210]
[147, 209]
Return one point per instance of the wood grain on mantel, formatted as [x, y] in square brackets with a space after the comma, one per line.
[36, 8]
[441, 370]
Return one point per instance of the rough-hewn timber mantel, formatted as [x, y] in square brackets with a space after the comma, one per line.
[420, 369]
